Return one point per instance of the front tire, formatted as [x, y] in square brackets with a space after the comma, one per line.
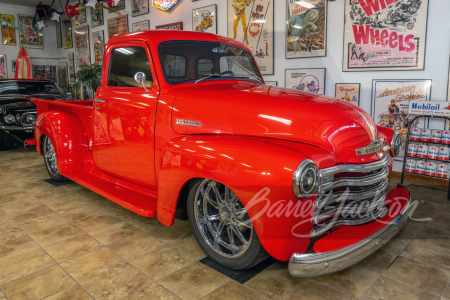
[6, 140]
[222, 226]
[50, 161]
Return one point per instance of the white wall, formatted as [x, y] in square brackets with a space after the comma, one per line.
[46, 56]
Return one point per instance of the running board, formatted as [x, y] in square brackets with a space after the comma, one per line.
[135, 198]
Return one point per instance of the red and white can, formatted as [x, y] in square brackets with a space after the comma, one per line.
[410, 165]
[412, 150]
[436, 135]
[415, 134]
[445, 137]
[422, 151]
[425, 135]
[420, 167]
[433, 152]
[444, 153]
[442, 170]
[430, 169]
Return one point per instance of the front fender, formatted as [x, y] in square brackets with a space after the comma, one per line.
[68, 136]
[259, 172]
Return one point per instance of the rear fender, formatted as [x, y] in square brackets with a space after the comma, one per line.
[258, 172]
[68, 136]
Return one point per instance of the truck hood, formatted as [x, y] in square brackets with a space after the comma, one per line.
[277, 113]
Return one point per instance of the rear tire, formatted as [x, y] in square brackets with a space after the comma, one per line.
[6, 140]
[50, 161]
[234, 246]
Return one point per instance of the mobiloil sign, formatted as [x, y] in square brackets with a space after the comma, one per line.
[435, 108]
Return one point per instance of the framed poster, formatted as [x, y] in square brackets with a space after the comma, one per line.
[13, 66]
[390, 104]
[62, 71]
[139, 26]
[117, 26]
[204, 19]
[29, 38]
[385, 38]
[272, 83]
[82, 52]
[171, 26]
[348, 92]
[119, 6]
[67, 34]
[3, 70]
[98, 41]
[308, 80]
[8, 34]
[97, 16]
[44, 73]
[139, 7]
[251, 22]
[306, 32]
[58, 34]
[166, 5]
[81, 17]
[71, 58]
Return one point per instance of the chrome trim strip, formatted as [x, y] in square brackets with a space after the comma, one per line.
[316, 264]
[363, 168]
[359, 181]
[16, 128]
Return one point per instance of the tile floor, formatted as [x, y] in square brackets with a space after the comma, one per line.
[67, 242]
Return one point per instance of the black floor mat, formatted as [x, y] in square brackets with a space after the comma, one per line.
[54, 183]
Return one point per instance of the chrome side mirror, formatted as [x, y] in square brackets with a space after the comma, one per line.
[140, 77]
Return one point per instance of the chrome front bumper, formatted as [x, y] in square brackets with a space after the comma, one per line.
[316, 264]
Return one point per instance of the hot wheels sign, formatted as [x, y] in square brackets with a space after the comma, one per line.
[165, 4]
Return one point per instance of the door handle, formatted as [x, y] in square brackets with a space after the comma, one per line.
[99, 100]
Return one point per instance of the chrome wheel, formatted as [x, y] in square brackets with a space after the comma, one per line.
[222, 219]
[50, 156]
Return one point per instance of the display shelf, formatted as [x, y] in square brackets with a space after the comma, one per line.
[429, 142]
[426, 158]
[427, 175]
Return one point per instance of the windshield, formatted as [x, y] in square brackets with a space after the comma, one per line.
[191, 61]
[29, 88]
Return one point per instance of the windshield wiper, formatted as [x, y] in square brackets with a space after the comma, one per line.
[249, 78]
[210, 76]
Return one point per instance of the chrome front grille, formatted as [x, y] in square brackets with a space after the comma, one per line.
[351, 195]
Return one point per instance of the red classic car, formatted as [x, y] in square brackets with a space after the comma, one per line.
[183, 121]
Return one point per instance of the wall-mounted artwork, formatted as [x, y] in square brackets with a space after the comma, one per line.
[272, 83]
[308, 80]
[44, 73]
[29, 38]
[139, 7]
[71, 59]
[306, 28]
[58, 34]
[348, 92]
[139, 26]
[82, 52]
[3, 70]
[97, 16]
[166, 5]
[171, 26]
[8, 34]
[13, 66]
[67, 34]
[98, 40]
[385, 37]
[62, 71]
[81, 16]
[251, 22]
[119, 6]
[117, 26]
[204, 19]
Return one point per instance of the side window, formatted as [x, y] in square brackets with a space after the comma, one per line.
[124, 63]
[175, 66]
[204, 66]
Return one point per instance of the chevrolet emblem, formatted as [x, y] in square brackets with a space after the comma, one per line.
[374, 147]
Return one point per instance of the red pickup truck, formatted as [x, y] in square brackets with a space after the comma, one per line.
[183, 121]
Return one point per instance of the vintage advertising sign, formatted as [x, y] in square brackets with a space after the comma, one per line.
[306, 28]
[383, 35]
[430, 108]
[166, 5]
[204, 19]
[81, 17]
[82, 52]
[62, 70]
[29, 38]
[71, 59]
[8, 34]
[98, 40]
[139, 7]
[348, 92]
[171, 26]
[97, 16]
[44, 73]
[58, 34]
[67, 34]
[3, 70]
[308, 80]
[251, 22]
[139, 26]
[391, 100]
[117, 26]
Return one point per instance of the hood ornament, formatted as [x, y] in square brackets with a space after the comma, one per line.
[374, 147]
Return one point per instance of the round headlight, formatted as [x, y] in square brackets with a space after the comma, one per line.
[396, 144]
[30, 118]
[306, 179]
[10, 119]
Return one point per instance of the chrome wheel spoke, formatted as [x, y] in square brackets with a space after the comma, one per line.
[238, 233]
[246, 223]
[214, 218]
[230, 235]
[220, 228]
[211, 201]
[219, 198]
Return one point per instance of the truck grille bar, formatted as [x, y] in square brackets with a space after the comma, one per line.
[351, 195]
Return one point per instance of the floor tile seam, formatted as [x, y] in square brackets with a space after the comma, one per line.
[318, 282]
[168, 274]
[171, 246]
[446, 288]
[141, 289]
[252, 288]
[415, 287]
[1, 289]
